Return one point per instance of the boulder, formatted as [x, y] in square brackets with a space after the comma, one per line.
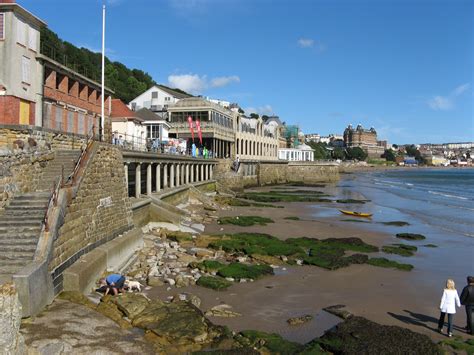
[154, 281]
[222, 310]
[339, 311]
[300, 320]
[182, 281]
[358, 335]
[131, 304]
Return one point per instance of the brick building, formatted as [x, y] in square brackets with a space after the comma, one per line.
[363, 138]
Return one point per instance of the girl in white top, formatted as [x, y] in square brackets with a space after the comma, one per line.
[448, 304]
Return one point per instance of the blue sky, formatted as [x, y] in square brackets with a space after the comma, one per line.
[402, 66]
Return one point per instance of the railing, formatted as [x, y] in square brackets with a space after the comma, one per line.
[53, 200]
[63, 59]
[171, 147]
[85, 149]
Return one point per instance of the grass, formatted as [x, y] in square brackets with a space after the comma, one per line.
[242, 271]
[215, 283]
[400, 249]
[396, 223]
[245, 221]
[410, 236]
[274, 343]
[383, 262]
[281, 197]
[292, 218]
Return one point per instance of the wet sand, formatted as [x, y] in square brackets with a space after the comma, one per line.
[391, 297]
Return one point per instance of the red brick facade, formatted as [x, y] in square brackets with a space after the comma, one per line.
[10, 110]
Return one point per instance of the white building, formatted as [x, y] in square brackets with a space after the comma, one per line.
[127, 128]
[302, 153]
[255, 138]
[156, 127]
[158, 99]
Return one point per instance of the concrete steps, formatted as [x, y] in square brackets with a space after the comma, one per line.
[22, 220]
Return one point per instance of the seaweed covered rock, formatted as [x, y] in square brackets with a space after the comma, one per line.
[410, 236]
[383, 262]
[358, 335]
[240, 271]
[245, 221]
[268, 342]
[178, 324]
[400, 249]
[215, 283]
[130, 304]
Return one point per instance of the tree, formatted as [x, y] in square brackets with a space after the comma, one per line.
[320, 151]
[338, 153]
[411, 150]
[356, 153]
[254, 115]
[389, 155]
[265, 117]
[241, 111]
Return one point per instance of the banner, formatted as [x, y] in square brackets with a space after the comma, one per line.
[198, 127]
[190, 122]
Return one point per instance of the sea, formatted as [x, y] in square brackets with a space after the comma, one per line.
[437, 203]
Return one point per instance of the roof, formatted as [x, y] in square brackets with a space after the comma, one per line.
[120, 110]
[177, 94]
[22, 11]
[198, 103]
[147, 115]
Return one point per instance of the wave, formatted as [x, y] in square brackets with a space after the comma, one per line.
[447, 195]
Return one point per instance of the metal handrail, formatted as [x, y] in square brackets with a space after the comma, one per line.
[53, 200]
[90, 137]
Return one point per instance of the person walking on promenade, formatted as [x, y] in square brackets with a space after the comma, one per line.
[467, 299]
[448, 304]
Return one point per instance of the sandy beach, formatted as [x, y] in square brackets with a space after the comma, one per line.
[388, 296]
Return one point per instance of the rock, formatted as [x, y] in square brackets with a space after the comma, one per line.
[154, 281]
[11, 341]
[242, 259]
[77, 297]
[268, 259]
[154, 271]
[130, 304]
[299, 262]
[358, 335]
[339, 311]
[231, 279]
[300, 320]
[110, 310]
[180, 324]
[182, 281]
[170, 281]
[222, 310]
[195, 300]
[284, 258]
[202, 252]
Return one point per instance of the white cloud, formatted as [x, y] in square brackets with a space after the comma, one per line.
[188, 82]
[460, 89]
[305, 42]
[442, 103]
[224, 80]
[195, 84]
[262, 110]
[445, 103]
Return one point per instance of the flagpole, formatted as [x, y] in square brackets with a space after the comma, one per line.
[102, 119]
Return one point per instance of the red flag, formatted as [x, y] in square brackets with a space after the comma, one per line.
[190, 122]
[198, 127]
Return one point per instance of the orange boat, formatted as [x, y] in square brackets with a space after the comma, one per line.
[356, 214]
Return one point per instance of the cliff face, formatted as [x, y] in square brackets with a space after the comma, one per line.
[11, 341]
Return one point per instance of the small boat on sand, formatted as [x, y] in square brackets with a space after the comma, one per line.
[356, 214]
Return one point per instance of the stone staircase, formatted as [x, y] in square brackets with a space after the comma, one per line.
[21, 220]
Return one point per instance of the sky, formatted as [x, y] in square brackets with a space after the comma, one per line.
[404, 67]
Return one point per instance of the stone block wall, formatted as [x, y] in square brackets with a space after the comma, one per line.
[272, 173]
[311, 173]
[21, 172]
[11, 341]
[100, 211]
[37, 138]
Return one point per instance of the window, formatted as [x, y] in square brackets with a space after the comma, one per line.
[167, 98]
[154, 94]
[21, 32]
[2, 25]
[25, 70]
[32, 38]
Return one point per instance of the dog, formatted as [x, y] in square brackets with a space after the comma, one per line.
[133, 285]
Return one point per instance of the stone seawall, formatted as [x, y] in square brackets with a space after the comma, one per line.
[260, 173]
[99, 212]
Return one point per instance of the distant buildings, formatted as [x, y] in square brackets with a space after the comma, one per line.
[363, 138]
[127, 128]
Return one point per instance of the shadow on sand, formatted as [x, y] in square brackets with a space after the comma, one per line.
[420, 320]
